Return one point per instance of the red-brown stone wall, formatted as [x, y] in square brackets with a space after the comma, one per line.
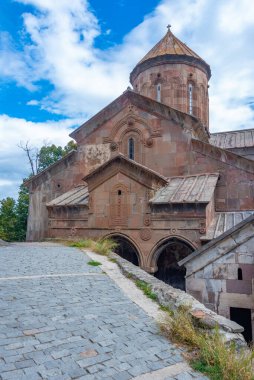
[174, 79]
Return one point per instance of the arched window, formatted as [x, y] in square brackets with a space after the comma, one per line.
[240, 274]
[131, 148]
[158, 96]
[190, 97]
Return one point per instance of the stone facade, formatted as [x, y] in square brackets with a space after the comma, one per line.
[170, 85]
[147, 172]
[220, 275]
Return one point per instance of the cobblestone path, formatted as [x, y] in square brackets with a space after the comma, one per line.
[63, 319]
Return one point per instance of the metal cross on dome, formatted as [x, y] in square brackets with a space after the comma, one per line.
[168, 26]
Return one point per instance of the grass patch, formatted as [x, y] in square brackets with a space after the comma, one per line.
[94, 263]
[146, 289]
[104, 246]
[167, 310]
[101, 246]
[212, 356]
[84, 243]
[113, 260]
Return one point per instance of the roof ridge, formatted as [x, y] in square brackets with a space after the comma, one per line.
[194, 175]
[232, 131]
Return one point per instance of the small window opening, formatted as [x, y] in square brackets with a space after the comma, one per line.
[190, 90]
[131, 148]
[119, 192]
[58, 185]
[158, 93]
[240, 274]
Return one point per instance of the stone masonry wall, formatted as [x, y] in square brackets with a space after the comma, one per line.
[174, 298]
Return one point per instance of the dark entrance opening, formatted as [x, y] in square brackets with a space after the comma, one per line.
[243, 317]
[169, 271]
[126, 249]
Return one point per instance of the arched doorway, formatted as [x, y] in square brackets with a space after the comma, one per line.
[126, 249]
[168, 254]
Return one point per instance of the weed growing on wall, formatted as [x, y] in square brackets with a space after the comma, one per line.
[94, 263]
[146, 289]
[212, 356]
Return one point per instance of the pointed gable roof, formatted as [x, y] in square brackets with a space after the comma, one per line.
[130, 168]
[147, 104]
[219, 246]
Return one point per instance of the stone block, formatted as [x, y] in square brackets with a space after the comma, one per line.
[208, 271]
[220, 271]
[232, 271]
[214, 286]
[229, 258]
[245, 258]
[239, 286]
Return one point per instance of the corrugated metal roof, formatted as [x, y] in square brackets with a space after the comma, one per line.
[189, 189]
[223, 221]
[169, 44]
[233, 139]
[77, 196]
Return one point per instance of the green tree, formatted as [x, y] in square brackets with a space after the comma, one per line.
[71, 145]
[40, 159]
[13, 216]
[49, 154]
[8, 219]
[21, 211]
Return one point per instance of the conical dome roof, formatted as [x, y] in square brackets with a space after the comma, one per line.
[169, 44]
[170, 49]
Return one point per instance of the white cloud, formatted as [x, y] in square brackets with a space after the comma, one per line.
[13, 65]
[13, 161]
[33, 102]
[5, 182]
[235, 17]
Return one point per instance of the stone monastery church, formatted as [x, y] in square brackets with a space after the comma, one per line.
[148, 173]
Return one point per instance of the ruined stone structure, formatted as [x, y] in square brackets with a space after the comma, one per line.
[148, 173]
[221, 273]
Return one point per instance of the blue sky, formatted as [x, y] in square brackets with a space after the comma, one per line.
[62, 61]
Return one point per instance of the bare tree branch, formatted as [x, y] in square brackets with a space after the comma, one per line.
[32, 155]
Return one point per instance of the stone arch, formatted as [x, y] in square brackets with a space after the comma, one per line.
[165, 256]
[128, 248]
[129, 122]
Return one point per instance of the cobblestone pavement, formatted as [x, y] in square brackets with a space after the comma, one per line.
[63, 319]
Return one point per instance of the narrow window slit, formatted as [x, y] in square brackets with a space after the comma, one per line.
[240, 274]
[131, 148]
[190, 98]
